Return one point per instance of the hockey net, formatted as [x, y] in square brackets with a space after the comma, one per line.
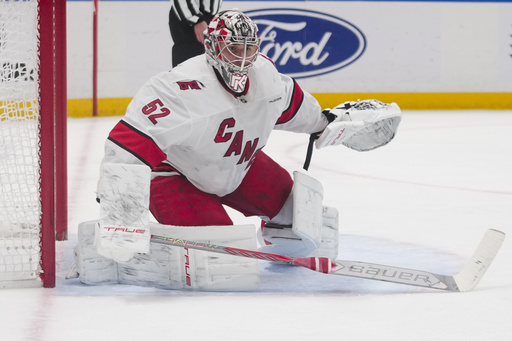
[28, 146]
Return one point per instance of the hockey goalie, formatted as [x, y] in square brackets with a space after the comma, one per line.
[190, 144]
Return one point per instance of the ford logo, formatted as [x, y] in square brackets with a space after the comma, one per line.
[305, 43]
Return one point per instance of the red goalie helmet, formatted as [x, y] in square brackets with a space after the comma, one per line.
[232, 45]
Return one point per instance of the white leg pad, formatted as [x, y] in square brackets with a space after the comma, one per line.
[124, 211]
[89, 265]
[314, 231]
[308, 194]
[172, 267]
[329, 242]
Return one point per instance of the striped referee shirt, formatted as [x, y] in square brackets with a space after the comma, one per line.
[193, 11]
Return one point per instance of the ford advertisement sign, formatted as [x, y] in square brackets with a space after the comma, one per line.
[305, 43]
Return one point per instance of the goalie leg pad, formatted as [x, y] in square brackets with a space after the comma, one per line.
[185, 268]
[282, 240]
[172, 267]
[329, 243]
[308, 194]
[89, 266]
[314, 231]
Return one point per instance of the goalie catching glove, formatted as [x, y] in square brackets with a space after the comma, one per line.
[362, 125]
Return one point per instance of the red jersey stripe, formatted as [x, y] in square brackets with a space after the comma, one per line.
[295, 103]
[137, 143]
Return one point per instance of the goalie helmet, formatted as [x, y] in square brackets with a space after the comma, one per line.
[232, 45]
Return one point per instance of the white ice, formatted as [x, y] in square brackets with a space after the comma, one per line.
[423, 201]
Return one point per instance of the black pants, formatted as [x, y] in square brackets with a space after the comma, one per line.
[185, 42]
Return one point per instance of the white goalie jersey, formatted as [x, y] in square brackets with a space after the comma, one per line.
[186, 121]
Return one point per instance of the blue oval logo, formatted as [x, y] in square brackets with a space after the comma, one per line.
[306, 43]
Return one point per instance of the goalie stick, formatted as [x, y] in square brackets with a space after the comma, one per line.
[466, 280]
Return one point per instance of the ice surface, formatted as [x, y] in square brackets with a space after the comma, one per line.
[423, 201]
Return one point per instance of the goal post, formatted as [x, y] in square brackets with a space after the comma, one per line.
[33, 114]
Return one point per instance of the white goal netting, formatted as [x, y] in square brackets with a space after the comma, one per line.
[20, 205]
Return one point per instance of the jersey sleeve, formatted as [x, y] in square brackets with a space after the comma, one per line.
[303, 113]
[128, 144]
[155, 119]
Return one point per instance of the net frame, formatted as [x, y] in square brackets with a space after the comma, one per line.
[50, 114]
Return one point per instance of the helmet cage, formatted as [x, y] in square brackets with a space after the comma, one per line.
[232, 45]
[237, 55]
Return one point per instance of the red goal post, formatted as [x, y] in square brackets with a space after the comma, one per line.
[33, 162]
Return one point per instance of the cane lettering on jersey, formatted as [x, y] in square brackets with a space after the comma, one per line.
[237, 147]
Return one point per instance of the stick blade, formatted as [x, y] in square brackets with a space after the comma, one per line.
[469, 277]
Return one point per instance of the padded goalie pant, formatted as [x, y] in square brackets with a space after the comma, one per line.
[263, 192]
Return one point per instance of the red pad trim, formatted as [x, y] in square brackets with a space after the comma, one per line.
[137, 143]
